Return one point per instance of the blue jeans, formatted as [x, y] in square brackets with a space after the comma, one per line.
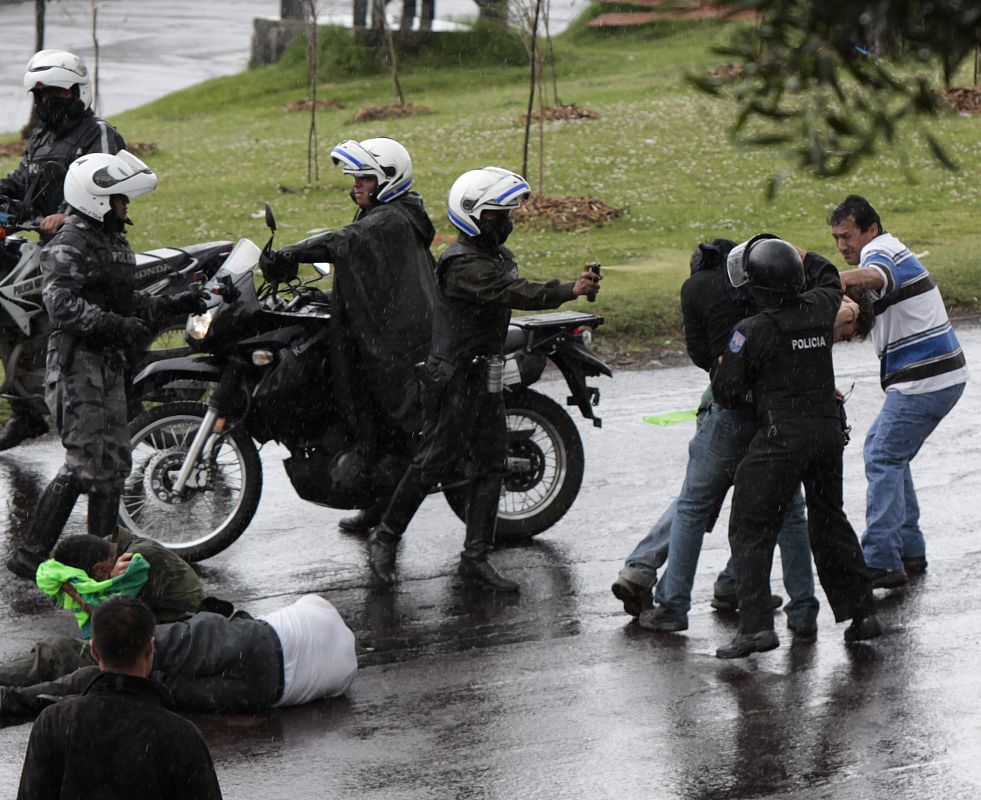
[720, 442]
[892, 514]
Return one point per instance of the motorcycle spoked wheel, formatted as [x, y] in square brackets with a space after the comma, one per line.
[534, 499]
[222, 496]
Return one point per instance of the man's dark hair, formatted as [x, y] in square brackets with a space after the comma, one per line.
[81, 551]
[121, 628]
[711, 255]
[859, 209]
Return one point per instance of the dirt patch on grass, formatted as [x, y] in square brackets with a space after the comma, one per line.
[559, 113]
[142, 148]
[390, 112]
[306, 105]
[17, 148]
[565, 213]
[965, 100]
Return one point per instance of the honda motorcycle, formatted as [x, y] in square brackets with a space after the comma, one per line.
[197, 477]
[24, 324]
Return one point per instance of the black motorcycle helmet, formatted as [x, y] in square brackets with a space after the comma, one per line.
[774, 270]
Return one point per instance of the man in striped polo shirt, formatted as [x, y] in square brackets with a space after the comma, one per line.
[922, 370]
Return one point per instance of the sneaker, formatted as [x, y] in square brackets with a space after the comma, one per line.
[746, 643]
[661, 621]
[635, 598]
[887, 578]
[863, 628]
[914, 565]
[806, 631]
[730, 602]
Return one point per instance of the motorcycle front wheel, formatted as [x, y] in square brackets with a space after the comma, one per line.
[220, 498]
[546, 463]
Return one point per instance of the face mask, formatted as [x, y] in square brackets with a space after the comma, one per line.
[56, 112]
[495, 232]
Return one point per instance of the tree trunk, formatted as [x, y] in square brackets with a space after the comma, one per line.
[39, 10]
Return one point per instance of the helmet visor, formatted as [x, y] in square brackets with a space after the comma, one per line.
[354, 159]
[734, 265]
[507, 192]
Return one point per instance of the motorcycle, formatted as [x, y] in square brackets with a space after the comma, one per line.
[24, 324]
[197, 478]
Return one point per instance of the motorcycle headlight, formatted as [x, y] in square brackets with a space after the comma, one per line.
[198, 325]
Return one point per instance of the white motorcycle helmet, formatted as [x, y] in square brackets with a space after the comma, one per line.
[59, 68]
[383, 158]
[94, 178]
[487, 188]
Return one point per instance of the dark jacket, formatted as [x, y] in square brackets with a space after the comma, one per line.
[383, 300]
[477, 288]
[118, 741]
[210, 663]
[781, 357]
[38, 182]
[173, 590]
[711, 306]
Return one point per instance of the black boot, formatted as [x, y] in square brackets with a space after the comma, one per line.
[482, 502]
[365, 519]
[56, 504]
[103, 513]
[382, 546]
[24, 424]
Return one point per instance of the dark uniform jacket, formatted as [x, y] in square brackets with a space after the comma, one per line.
[781, 357]
[118, 741]
[477, 290]
[38, 182]
[383, 296]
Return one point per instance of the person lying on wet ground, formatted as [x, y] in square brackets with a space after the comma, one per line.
[238, 664]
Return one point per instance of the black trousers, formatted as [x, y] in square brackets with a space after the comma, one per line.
[792, 451]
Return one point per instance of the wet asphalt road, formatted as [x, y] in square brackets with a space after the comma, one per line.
[555, 694]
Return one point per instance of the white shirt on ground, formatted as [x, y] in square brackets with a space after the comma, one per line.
[318, 650]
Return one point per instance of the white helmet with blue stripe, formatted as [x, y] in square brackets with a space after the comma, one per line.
[480, 189]
[383, 158]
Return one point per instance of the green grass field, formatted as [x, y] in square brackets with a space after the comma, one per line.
[660, 150]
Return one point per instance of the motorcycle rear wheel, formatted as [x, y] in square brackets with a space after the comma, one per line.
[221, 497]
[533, 500]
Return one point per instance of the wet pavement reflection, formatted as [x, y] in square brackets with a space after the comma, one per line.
[554, 692]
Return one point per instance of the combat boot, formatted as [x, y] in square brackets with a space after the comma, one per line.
[382, 546]
[484, 574]
[21, 427]
[482, 501]
[56, 504]
[364, 520]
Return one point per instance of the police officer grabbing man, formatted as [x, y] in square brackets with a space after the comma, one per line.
[477, 285]
[781, 359]
[59, 82]
[95, 313]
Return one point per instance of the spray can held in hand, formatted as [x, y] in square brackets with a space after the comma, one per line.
[594, 267]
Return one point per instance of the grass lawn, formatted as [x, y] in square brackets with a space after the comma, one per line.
[660, 150]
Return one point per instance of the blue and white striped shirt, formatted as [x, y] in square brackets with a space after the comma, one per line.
[917, 347]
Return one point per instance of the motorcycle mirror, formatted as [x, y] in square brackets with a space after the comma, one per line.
[322, 267]
[270, 219]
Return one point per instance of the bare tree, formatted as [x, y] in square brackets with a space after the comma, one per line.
[393, 61]
[96, 104]
[313, 162]
[533, 61]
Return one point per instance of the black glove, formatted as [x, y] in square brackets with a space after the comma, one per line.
[123, 330]
[190, 302]
[278, 265]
